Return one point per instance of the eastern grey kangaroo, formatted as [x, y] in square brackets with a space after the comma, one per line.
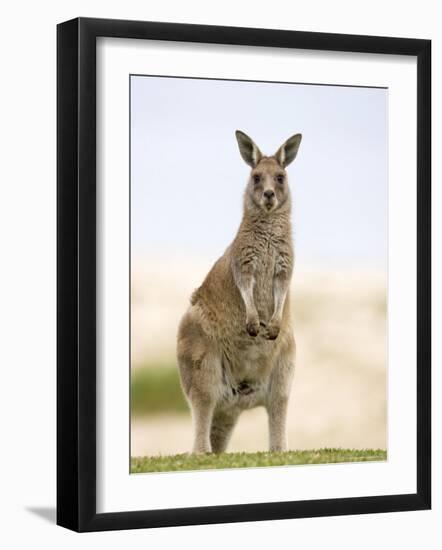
[235, 342]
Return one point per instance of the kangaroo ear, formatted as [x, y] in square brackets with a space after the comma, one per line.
[288, 150]
[248, 149]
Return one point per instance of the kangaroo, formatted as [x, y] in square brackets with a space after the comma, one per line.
[235, 345]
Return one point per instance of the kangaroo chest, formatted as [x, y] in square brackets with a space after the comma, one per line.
[273, 254]
[264, 276]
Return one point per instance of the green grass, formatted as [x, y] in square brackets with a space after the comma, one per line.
[156, 389]
[183, 462]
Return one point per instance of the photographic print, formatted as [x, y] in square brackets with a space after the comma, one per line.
[258, 273]
[243, 274]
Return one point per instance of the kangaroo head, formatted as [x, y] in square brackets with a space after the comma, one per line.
[267, 188]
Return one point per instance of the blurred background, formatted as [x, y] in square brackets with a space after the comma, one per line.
[187, 181]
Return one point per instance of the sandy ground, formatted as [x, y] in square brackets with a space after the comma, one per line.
[339, 391]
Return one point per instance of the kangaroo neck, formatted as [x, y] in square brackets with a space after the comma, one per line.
[258, 221]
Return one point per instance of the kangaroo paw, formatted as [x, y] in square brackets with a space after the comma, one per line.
[252, 327]
[272, 331]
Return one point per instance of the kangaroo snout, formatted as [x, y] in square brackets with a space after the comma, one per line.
[269, 200]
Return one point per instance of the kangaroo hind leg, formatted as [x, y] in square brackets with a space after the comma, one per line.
[202, 411]
[201, 378]
[203, 395]
[221, 430]
[278, 397]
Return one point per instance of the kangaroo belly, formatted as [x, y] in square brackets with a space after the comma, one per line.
[245, 395]
[246, 372]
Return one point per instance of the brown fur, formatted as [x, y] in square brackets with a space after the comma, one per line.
[235, 342]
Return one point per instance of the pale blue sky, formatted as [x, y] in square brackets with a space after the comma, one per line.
[187, 177]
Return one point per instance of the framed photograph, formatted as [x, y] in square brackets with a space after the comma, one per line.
[244, 274]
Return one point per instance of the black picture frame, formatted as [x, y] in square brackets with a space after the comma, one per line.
[77, 287]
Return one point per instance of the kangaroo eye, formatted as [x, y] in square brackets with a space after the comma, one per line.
[256, 178]
[280, 178]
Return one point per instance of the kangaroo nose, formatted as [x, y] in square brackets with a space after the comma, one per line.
[269, 194]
